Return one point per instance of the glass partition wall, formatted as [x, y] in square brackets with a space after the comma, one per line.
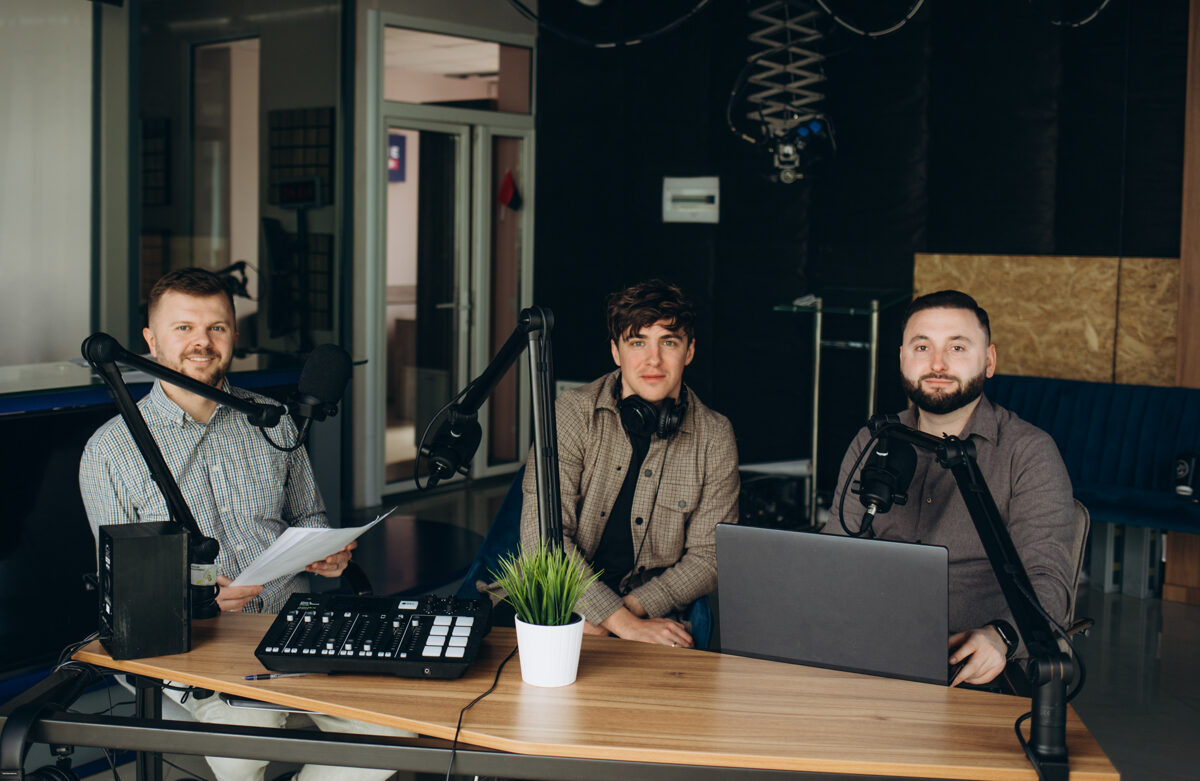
[228, 134]
[237, 147]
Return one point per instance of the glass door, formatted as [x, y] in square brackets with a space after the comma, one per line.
[503, 271]
[427, 310]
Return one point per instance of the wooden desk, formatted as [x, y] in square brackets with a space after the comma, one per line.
[651, 704]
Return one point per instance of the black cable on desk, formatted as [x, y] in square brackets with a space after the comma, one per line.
[471, 704]
[69, 651]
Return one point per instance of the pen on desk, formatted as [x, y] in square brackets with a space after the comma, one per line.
[269, 676]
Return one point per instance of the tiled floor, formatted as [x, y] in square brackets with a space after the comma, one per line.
[1142, 696]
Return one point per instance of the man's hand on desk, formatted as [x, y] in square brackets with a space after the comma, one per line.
[591, 629]
[635, 605]
[333, 565]
[663, 631]
[231, 599]
[982, 652]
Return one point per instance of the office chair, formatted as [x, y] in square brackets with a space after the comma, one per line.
[1079, 549]
[1014, 675]
[503, 537]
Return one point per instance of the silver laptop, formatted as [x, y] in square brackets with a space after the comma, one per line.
[867, 606]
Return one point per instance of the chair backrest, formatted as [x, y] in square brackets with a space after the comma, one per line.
[503, 537]
[1078, 549]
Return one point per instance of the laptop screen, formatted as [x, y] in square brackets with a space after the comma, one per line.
[868, 606]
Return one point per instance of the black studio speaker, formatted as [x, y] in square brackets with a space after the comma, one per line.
[143, 574]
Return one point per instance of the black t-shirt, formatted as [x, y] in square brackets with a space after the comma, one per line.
[614, 555]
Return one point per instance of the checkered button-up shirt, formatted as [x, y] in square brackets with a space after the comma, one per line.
[242, 492]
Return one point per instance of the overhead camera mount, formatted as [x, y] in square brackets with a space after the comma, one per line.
[781, 78]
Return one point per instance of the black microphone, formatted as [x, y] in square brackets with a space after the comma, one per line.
[885, 478]
[322, 382]
[453, 446]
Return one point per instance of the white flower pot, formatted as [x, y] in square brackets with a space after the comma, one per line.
[549, 654]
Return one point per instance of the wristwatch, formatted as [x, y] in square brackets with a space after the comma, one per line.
[1008, 635]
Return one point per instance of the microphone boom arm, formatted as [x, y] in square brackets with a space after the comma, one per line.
[101, 349]
[151, 454]
[545, 429]
[1049, 668]
[102, 352]
[456, 440]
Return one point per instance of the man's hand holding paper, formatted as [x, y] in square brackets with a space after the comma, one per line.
[333, 565]
[230, 598]
[322, 551]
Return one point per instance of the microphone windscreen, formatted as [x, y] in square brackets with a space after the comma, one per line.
[325, 374]
[102, 348]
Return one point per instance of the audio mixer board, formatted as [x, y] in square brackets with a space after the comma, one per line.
[429, 637]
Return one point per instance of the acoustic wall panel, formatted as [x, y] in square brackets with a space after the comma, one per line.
[1078, 318]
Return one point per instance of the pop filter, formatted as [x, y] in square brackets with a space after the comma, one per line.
[322, 382]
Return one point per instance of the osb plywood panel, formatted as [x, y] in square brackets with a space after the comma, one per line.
[1147, 330]
[1050, 316]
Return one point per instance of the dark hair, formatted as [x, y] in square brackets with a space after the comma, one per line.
[947, 299]
[189, 281]
[646, 303]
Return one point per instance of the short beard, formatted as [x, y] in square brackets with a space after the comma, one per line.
[944, 403]
[217, 380]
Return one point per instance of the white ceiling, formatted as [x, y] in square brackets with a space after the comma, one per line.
[418, 52]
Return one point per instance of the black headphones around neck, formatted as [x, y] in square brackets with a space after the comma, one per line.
[641, 418]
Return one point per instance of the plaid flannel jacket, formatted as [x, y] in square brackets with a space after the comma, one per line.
[699, 489]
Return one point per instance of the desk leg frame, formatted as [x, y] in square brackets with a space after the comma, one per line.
[148, 705]
[417, 754]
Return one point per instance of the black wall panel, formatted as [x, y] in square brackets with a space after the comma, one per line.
[977, 127]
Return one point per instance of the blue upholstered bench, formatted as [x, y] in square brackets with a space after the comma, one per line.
[1119, 443]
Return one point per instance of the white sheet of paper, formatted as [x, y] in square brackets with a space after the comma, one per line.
[296, 548]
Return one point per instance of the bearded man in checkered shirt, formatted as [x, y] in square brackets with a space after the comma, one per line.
[242, 491]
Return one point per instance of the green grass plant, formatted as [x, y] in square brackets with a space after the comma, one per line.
[544, 584]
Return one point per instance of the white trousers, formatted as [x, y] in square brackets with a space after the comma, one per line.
[214, 711]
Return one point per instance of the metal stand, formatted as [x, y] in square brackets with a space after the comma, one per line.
[871, 346]
[818, 315]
